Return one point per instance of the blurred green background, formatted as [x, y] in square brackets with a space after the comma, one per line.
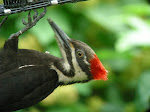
[119, 33]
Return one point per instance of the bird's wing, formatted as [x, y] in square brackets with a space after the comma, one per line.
[25, 86]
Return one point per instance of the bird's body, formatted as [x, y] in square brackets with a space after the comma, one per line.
[28, 76]
[25, 79]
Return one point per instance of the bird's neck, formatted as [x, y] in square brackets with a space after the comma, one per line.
[69, 72]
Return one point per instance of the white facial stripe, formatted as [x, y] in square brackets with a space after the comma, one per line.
[25, 66]
[66, 64]
[85, 61]
[63, 53]
[61, 76]
[65, 79]
[79, 74]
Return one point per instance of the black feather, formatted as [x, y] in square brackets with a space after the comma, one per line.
[22, 86]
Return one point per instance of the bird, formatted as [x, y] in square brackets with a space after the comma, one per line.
[28, 76]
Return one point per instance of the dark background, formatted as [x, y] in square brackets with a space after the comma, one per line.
[119, 33]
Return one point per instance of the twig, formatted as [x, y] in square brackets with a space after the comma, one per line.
[3, 21]
[30, 23]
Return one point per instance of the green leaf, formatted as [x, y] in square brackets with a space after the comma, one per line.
[143, 92]
[84, 89]
[43, 30]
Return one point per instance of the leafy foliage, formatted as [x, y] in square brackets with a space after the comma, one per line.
[119, 33]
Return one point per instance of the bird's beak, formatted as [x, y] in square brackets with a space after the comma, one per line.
[62, 39]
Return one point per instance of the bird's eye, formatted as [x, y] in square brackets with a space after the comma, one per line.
[80, 54]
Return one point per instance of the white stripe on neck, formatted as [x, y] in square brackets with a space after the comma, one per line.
[24, 66]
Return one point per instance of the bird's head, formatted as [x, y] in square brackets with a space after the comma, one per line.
[79, 62]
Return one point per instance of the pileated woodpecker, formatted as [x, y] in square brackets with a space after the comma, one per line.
[28, 76]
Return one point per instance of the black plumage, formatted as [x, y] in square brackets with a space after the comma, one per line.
[28, 76]
[27, 85]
